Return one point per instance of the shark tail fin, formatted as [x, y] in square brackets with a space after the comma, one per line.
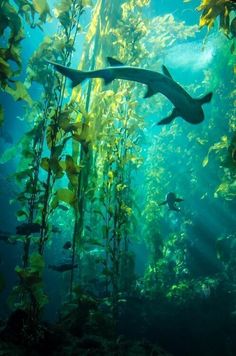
[76, 76]
[205, 99]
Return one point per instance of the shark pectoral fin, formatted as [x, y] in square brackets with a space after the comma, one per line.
[178, 200]
[163, 203]
[108, 80]
[169, 118]
[166, 72]
[114, 62]
[108, 77]
[205, 99]
[150, 92]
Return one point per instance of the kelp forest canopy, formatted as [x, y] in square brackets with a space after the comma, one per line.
[92, 168]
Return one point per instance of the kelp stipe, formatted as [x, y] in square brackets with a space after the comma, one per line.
[114, 147]
[52, 123]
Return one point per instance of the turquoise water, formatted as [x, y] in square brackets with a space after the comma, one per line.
[94, 257]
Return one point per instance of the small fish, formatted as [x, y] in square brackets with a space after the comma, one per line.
[63, 267]
[171, 200]
[28, 228]
[67, 245]
[185, 106]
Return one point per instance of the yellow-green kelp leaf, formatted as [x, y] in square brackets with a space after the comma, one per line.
[9, 154]
[56, 167]
[45, 163]
[32, 278]
[72, 170]
[65, 195]
[1, 115]
[62, 7]
[42, 8]
[205, 161]
[33, 273]
[53, 164]
[87, 3]
[223, 188]
[216, 147]
[5, 69]
[37, 262]
[21, 215]
[211, 9]
[19, 93]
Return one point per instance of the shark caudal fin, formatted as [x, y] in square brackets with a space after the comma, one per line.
[205, 99]
[76, 76]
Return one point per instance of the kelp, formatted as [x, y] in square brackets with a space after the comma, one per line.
[19, 93]
[80, 162]
[60, 124]
[217, 147]
[112, 125]
[29, 295]
[54, 123]
[213, 9]
[35, 13]
[11, 62]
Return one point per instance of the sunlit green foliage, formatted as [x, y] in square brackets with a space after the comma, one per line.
[41, 148]
[12, 31]
[111, 134]
[83, 154]
[211, 10]
[30, 288]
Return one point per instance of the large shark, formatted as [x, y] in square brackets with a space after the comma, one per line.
[185, 106]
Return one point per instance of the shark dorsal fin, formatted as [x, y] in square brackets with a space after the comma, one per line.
[166, 72]
[114, 62]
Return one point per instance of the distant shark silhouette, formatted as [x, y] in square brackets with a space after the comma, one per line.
[184, 105]
[171, 200]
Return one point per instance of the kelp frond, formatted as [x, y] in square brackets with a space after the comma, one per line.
[212, 9]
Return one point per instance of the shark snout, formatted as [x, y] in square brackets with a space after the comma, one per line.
[195, 116]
